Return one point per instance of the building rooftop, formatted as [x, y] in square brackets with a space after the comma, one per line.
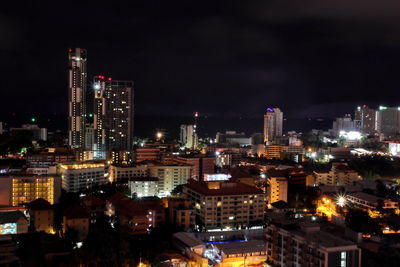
[27, 175]
[327, 240]
[188, 239]
[224, 188]
[91, 201]
[241, 247]
[75, 212]
[196, 156]
[11, 216]
[343, 168]
[322, 171]
[280, 205]
[143, 179]
[82, 164]
[40, 204]
[364, 196]
[135, 207]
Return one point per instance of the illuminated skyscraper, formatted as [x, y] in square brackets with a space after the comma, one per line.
[77, 78]
[367, 119]
[99, 112]
[113, 114]
[188, 135]
[273, 123]
[388, 121]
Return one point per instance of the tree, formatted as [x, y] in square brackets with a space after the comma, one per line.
[71, 237]
[177, 190]
[359, 221]
[104, 247]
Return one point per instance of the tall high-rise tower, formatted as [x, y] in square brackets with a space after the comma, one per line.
[388, 121]
[99, 112]
[77, 79]
[366, 118]
[273, 123]
[113, 114]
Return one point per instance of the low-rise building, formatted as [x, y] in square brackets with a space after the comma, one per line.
[277, 189]
[36, 133]
[282, 180]
[76, 218]
[201, 165]
[227, 248]
[77, 176]
[13, 222]
[49, 157]
[41, 215]
[339, 174]
[170, 176]
[94, 206]
[125, 172]
[136, 217]
[18, 189]
[226, 205]
[368, 201]
[305, 244]
[181, 213]
[143, 186]
[281, 152]
[147, 153]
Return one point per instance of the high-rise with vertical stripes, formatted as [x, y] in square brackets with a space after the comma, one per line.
[273, 121]
[113, 114]
[77, 80]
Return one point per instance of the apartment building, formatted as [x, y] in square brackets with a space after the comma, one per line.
[77, 176]
[125, 172]
[18, 189]
[201, 165]
[368, 201]
[143, 186]
[339, 174]
[226, 205]
[305, 244]
[41, 215]
[170, 176]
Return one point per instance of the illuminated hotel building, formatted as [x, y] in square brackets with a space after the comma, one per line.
[273, 123]
[113, 114]
[77, 78]
[19, 189]
[77, 176]
[170, 176]
[226, 205]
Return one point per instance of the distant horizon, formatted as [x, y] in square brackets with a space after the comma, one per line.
[146, 125]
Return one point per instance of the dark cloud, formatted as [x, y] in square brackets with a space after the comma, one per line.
[223, 58]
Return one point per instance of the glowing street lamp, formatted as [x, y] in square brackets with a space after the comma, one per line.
[341, 201]
[159, 135]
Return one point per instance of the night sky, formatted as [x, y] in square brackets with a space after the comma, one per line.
[226, 60]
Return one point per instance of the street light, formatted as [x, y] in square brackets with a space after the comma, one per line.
[341, 201]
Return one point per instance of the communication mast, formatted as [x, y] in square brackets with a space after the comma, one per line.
[196, 114]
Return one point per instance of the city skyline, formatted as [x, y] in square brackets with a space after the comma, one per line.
[181, 133]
